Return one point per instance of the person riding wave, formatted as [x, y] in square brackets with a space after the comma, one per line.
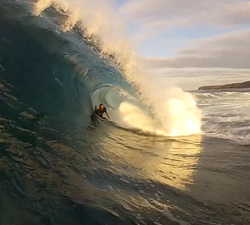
[101, 111]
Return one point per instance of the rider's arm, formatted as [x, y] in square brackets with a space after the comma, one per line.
[107, 114]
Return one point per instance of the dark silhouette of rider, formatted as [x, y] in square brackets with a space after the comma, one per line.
[101, 111]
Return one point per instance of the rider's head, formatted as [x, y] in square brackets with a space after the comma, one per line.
[101, 106]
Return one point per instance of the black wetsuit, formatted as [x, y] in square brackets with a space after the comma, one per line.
[100, 112]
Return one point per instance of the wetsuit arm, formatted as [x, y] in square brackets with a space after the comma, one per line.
[107, 115]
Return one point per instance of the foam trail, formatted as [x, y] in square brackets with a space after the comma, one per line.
[174, 109]
[136, 118]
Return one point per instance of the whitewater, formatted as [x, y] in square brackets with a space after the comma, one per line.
[167, 156]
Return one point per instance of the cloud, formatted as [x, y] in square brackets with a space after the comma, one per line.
[192, 78]
[144, 10]
[158, 15]
[228, 51]
[163, 19]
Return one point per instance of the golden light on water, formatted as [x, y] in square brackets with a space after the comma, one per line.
[168, 161]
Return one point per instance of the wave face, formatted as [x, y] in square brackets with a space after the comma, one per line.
[59, 165]
[81, 51]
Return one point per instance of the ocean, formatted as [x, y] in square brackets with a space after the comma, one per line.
[166, 157]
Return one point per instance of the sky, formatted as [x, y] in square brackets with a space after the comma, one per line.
[189, 33]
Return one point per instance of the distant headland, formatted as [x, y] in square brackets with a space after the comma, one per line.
[226, 86]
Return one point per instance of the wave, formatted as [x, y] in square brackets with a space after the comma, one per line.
[226, 115]
[98, 59]
[236, 139]
[125, 110]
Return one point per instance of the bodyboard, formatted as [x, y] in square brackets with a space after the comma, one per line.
[101, 118]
